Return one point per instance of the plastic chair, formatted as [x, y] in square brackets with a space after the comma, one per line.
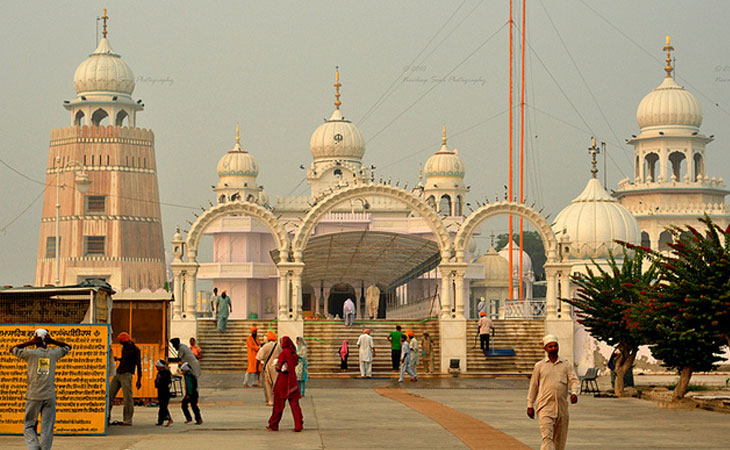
[588, 381]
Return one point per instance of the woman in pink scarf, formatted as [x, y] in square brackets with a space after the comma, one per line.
[286, 387]
[344, 353]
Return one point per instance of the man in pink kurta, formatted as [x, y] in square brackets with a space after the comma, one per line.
[548, 395]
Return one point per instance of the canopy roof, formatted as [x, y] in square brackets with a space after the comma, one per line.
[387, 259]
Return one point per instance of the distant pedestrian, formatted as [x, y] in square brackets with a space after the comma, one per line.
[185, 355]
[348, 312]
[286, 387]
[267, 354]
[427, 353]
[395, 347]
[482, 306]
[162, 383]
[302, 369]
[405, 360]
[197, 352]
[366, 353]
[191, 395]
[130, 362]
[484, 326]
[253, 368]
[548, 395]
[211, 302]
[40, 395]
[415, 352]
[223, 308]
[344, 353]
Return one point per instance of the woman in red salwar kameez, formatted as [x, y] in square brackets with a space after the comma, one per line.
[286, 387]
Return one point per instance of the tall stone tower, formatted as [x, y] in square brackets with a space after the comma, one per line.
[671, 186]
[113, 230]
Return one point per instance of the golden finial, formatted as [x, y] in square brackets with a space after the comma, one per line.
[104, 18]
[668, 48]
[238, 135]
[443, 138]
[337, 87]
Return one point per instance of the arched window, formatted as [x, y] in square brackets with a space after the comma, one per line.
[431, 200]
[99, 117]
[235, 197]
[222, 199]
[664, 240]
[121, 117]
[699, 167]
[338, 172]
[650, 161]
[458, 206]
[445, 205]
[645, 241]
[679, 165]
[637, 168]
[251, 198]
[80, 118]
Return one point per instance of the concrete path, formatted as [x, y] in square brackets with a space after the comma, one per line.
[350, 413]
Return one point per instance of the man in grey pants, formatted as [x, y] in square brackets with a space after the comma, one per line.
[40, 396]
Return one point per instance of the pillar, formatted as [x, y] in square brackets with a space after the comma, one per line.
[177, 291]
[283, 294]
[459, 271]
[190, 291]
[445, 293]
[551, 304]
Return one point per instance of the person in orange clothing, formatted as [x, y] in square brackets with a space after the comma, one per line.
[197, 352]
[253, 369]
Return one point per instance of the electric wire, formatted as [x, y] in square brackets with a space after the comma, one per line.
[7, 225]
[392, 121]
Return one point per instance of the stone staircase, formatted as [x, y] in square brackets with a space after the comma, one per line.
[523, 336]
[226, 351]
[325, 339]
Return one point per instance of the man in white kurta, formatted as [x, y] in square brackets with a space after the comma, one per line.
[372, 300]
[548, 396]
[415, 352]
[366, 353]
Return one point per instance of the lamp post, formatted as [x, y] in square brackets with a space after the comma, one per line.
[82, 184]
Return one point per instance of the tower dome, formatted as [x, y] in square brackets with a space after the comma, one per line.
[669, 104]
[526, 260]
[104, 70]
[594, 221]
[496, 267]
[237, 162]
[444, 163]
[337, 138]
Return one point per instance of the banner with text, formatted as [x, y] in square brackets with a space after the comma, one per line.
[81, 378]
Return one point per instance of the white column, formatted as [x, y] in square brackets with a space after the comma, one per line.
[190, 292]
[445, 292]
[283, 294]
[177, 292]
[459, 291]
[551, 304]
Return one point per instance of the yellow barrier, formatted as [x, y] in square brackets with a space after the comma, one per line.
[81, 378]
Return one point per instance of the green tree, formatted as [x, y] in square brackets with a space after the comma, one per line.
[686, 317]
[605, 300]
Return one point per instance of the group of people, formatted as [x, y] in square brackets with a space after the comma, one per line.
[553, 382]
[284, 369]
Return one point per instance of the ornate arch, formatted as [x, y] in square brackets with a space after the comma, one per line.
[304, 232]
[226, 209]
[549, 239]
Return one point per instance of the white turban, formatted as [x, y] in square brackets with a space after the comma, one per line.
[548, 339]
[41, 333]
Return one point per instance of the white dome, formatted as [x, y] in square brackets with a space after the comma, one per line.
[337, 138]
[594, 221]
[238, 163]
[104, 70]
[669, 104]
[444, 163]
[526, 260]
[496, 267]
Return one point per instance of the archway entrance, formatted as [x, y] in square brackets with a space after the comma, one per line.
[338, 294]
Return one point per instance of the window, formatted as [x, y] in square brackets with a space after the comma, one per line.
[93, 245]
[51, 246]
[95, 203]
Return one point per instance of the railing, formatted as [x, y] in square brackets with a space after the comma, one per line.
[524, 309]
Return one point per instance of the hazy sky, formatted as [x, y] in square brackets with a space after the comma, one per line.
[203, 66]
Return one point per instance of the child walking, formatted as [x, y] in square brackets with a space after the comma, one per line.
[162, 383]
[191, 395]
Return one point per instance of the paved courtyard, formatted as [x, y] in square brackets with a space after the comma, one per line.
[435, 413]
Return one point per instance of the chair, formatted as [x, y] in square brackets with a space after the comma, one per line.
[589, 381]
